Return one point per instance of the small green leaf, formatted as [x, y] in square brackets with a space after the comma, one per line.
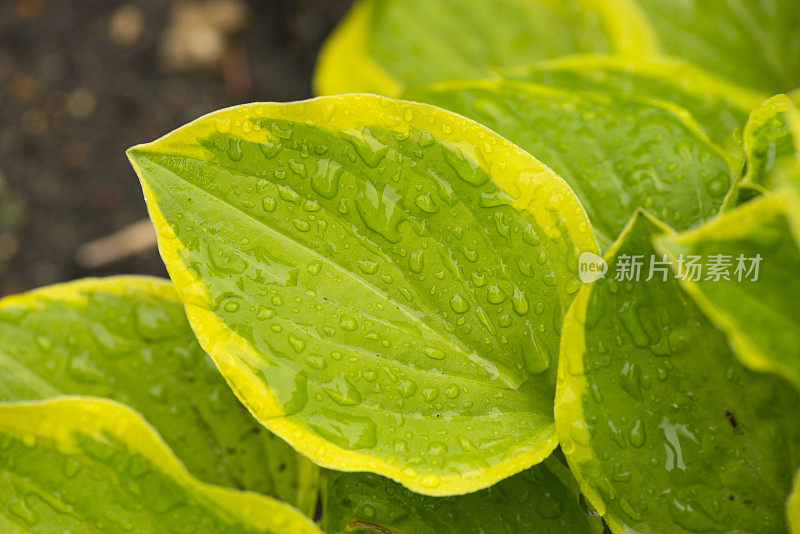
[753, 43]
[719, 106]
[755, 302]
[80, 464]
[543, 499]
[793, 507]
[663, 428]
[381, 282]
[384, 45]
[772, 136]
[126, 338]
[617, 153]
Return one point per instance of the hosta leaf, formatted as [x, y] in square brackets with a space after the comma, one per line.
[758, 309]
[718, 106]
[381, 282]
[617, 153]
[771, 136]
[662, 426]
[383, 45]
[78, 464]
[127, 338]
[543, 499]
[753, 43]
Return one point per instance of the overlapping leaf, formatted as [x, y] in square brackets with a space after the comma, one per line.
[662, 426]
[753, 43]
[77, 464]
[542, 499]
[127, 339]
[755, 300]
[381, 282]
[718, 106]
[771, 137]
[617, 152]
[383, 45]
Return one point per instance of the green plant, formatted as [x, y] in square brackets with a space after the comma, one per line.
[403, 294]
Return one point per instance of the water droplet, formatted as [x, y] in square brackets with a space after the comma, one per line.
[269, 204]
[495, 295]
[548, 507]
[637, 436]
[325, 180]
[406, 388]
[297, 343]
[519, 302]
[314, 267]
[368, 267]
[458, 303]
[452, 391]
[433, 352]
[297, 167]
[345, 430]
[347, 322]
[416, 261]
[342, 392]
[630, 380]
[378, 205]
[426, 203]
[317, 362]
[429, 481]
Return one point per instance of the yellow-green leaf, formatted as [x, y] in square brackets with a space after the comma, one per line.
[126, 338]
[618, 152]
[719, 106]
[755, 299]
[381, 282]
[793, 507]
[754, 43]
[662, 426]
[81, 464]
[383, 45]
[771, 137]
[541, 500]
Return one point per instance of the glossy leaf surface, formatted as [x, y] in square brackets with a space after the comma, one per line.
[662, 426]
[381, 282]
[127, 338]
[617, 153]
[543, 499]
[383, 45]
[77, 464]
[755, 302]
[752, 43]
[718, 106]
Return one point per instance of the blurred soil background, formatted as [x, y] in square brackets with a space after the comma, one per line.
[82, 80]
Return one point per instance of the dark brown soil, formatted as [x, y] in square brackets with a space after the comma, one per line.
[72, 99]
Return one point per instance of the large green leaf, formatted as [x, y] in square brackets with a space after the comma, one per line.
[383, 45]
[662, 426]
[755, 43]
[617, 152]
[381, 282]
[127, 338]
[543, 499]
[78, 464]
[719, 106]
[759, 310]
